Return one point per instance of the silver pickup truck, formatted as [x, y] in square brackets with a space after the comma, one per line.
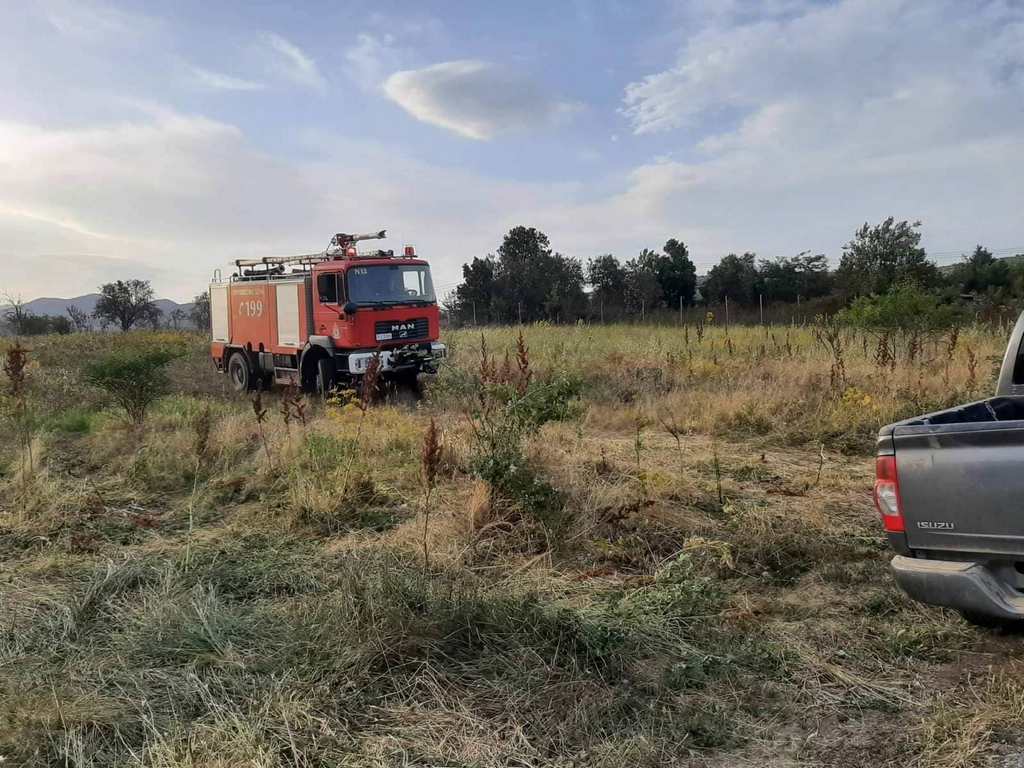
[950, 488]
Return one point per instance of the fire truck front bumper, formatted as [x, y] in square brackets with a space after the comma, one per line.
[422, 357]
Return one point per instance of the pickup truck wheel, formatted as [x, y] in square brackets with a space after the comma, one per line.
[238, 373]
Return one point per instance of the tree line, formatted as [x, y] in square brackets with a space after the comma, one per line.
[122, 304]
[525, 280]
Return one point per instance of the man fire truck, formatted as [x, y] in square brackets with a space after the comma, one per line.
[317, 320]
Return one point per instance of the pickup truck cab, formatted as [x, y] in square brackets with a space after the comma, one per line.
[950, 490]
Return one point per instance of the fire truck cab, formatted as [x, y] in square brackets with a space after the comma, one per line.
[316, 321]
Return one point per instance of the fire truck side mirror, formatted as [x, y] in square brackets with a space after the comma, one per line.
[349, 308]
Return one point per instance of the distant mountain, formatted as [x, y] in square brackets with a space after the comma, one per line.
[87, 303]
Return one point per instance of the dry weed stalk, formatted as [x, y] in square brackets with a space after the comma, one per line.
[718, 471]
[368, 387]
[829, 334]
[202, 427]
[914, 345]
[972, 370]
[261, 416]
[16, 366]
[523, 363]
[293, 406]
[430, 462]
[884, 356]
[951, 342]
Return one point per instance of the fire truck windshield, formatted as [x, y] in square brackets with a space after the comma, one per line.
[390, 284]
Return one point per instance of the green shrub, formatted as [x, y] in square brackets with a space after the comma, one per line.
[905, 306]
[133, 379]
[76, 421]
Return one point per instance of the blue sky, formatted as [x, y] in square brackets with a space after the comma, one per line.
[164, 140]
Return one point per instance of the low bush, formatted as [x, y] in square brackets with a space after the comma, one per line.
[134, 380]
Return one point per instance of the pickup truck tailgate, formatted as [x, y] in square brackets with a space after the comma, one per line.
[962, 486]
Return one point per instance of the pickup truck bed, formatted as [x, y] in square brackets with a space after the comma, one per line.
[959, 480]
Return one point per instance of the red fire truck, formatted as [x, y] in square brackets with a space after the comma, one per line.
[317, 320]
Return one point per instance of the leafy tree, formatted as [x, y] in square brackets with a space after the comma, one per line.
[523, 263]
[802, 276]
[153, 318]
[127, 303]
[176, 317]
[473, 298]
[23, 322]
[879, 257]
[608, 279]
[735, 277]
[565, 299]
[16, 315]
[200, 312]
[677, 275]
[79, 318]
[58, 324]
[643, 291]
[982, 272]
[525, 279]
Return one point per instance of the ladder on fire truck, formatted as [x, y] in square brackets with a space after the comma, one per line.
[342, 246]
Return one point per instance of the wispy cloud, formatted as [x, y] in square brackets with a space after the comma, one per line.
[219, 81]
[293, 63]
[94, 21]
[366, 61]
[475, 99]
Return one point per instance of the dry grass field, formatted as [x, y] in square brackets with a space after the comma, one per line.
[627, 546]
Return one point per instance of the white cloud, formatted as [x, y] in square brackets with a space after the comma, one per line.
[291, 62]
[839, 58]
[176, 196]
[367, 61]
[841, 116]
[94, 21]
[843, 113]
[219, 81]
[475, 99]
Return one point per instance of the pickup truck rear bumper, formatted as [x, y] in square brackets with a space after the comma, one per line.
[963, 586]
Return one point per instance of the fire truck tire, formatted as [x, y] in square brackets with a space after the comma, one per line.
[324, 377]
[238, 373]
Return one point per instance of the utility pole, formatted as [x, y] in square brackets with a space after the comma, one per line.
[726, 311]
[642, 303]
[474, 313]
[602, 309]
[680, 309]
[760, 301]
[520, 313]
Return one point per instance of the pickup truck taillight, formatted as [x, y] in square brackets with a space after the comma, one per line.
[887, 494]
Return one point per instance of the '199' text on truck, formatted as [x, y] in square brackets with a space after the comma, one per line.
[318, 320]
[950, 489]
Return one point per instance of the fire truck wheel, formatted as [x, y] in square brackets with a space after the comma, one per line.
[324, 377]
[238, 373]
